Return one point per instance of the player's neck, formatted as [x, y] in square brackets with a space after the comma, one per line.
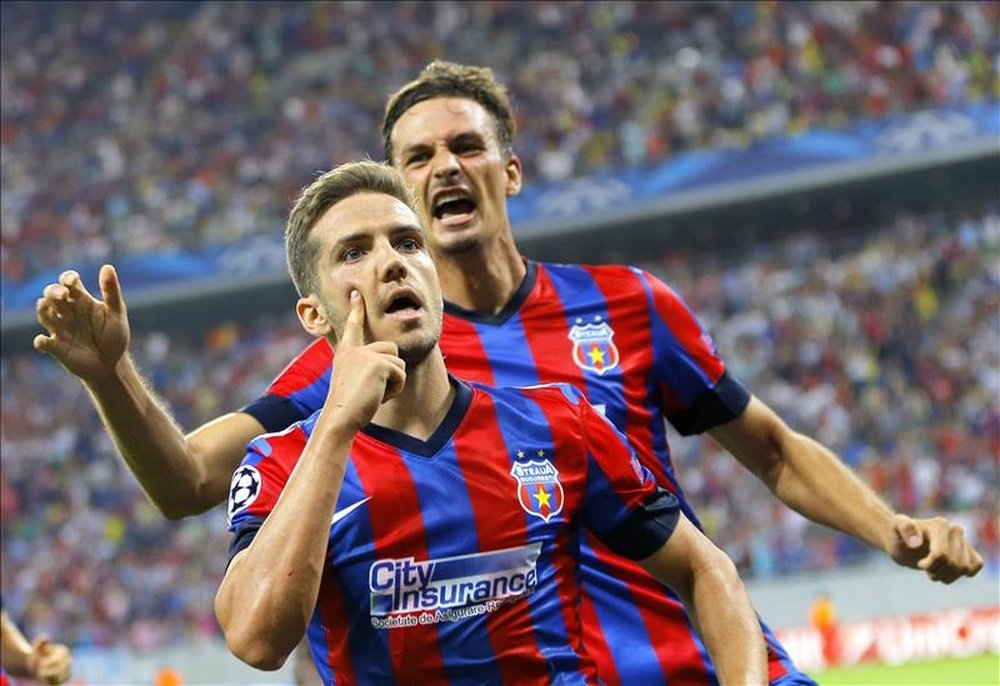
[483, 279]
[424, 401]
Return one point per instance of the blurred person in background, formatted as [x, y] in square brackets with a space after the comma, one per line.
[620, 335]
[823, 618]
[40, 659]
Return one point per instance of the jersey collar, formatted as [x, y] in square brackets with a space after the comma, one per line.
[446, 429]
[511, 308]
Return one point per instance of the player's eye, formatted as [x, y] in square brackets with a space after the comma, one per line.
[409, 244]
[351, 254]
[416, 158]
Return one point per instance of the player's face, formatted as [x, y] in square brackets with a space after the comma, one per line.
[448, 151]
[373, 243]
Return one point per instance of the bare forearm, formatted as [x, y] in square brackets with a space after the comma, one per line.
[270, 590]
[15, 649]
[814, 482]
[153, 446]
[721, 611]
[805, 475]
[717, 603]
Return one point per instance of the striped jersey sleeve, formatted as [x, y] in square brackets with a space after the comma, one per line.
[696, 392]
[258, 482]
[298, 391]
[622, 505]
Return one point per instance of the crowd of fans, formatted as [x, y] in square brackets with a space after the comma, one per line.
[133, 126]
[880, 343]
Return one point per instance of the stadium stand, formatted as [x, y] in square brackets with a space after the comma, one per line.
[128, 128]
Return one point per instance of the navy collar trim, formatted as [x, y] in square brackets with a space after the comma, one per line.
[509, 310]
[441, 435]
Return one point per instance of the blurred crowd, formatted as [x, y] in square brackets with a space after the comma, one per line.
[886, 350]
[881, 342]
[134, 126]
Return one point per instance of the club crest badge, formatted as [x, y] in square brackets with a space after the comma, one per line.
[593, 347]
[538, 488]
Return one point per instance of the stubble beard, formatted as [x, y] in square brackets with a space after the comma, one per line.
[413, 354]
[457, 248]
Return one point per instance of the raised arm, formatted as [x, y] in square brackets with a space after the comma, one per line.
[182, 475]
[270, 589]
[810, 479]
[40, 659]
[716, 601]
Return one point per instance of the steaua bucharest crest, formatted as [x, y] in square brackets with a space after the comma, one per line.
[593, 348]
[538, 489]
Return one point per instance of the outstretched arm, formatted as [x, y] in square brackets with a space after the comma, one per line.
[40, 659]
[810, 479]
[182, 475]
[716, 601]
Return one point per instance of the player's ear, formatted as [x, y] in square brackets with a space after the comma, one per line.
[312, 314]
[513, 169]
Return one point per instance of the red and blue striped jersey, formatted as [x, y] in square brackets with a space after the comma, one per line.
[454, 560]
[634, 348]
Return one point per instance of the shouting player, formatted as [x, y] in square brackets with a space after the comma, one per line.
[452, 551]
[619, 335]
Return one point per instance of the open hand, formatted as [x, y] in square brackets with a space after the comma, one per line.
[86, 335]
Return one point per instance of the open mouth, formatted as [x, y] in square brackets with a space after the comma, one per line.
[451, 208]
[454, 207]
[403, 304]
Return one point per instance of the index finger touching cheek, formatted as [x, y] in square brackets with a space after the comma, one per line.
[354, 329]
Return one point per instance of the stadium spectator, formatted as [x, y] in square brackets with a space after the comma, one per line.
[116, 106]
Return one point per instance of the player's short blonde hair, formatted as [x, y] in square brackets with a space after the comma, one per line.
[301, 252]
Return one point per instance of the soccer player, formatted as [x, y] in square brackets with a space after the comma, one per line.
[40, 659]
[452, 551]
[619, 335]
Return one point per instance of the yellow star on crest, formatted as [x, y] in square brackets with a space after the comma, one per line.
[543, 497]
[520, 453]
[596, 355]
[541, 453]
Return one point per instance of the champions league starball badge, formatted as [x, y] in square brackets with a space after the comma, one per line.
[244, 489]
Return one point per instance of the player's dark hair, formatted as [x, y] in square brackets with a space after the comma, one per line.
[441, 79]
[301, 252]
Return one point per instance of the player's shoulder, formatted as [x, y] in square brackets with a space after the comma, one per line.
[621, 276]
[264, 471]
[318, 351]
[279, 450]
[560, 393]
